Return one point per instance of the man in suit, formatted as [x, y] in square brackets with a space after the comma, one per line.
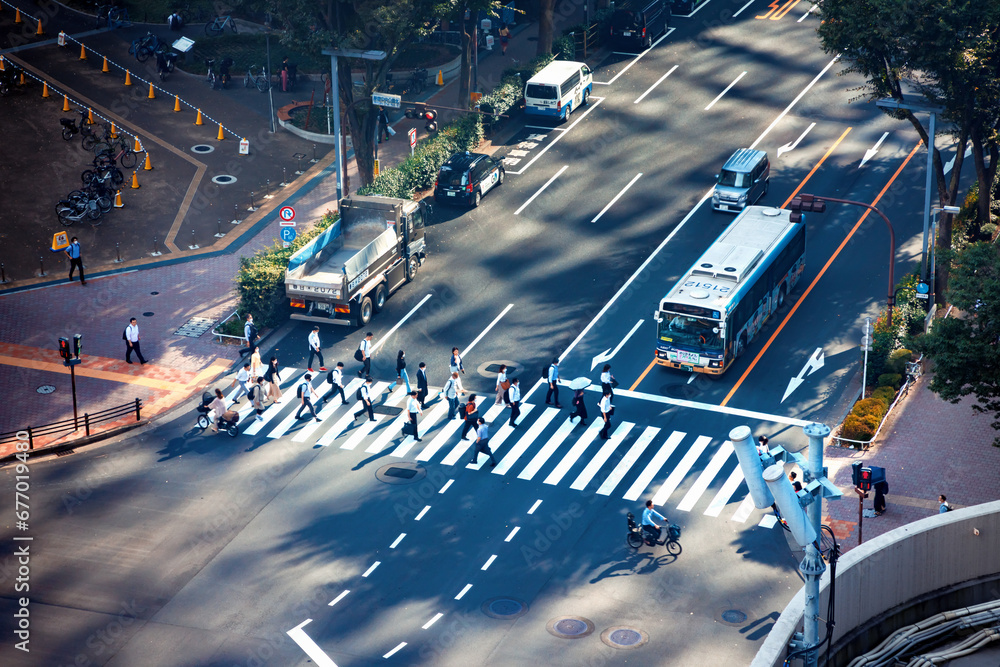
[422, 384]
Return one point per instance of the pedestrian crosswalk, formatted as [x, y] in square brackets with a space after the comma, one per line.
[680, 471]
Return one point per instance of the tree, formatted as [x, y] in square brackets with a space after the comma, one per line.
[545, 9]
[966, 350]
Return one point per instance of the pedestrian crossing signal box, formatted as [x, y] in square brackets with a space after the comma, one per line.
[60, 241]
[866, 479]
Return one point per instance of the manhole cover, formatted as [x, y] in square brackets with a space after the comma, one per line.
[681, 391]
[202, 149]
[403, 472]
[46, 389]
[148, 313]
[734, 616]
[570, 627]
[504, 608]
[386, 410]
[224, 179]
[624, 637]
[154, 293]
[195, 327]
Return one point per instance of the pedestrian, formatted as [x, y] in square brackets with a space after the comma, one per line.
[553, 377]
[75, 262]
[504, 33]
[796, 484]
[450, 391]
[383, 125]
[456, 365]
[131, 337]
[273, 378]
[413, 407]
[218, 408]
[503, 384]
[365, 396]
[335, 378]
[422, 384]
[401, 370]
[471, 415]
[608, 381]
[305, 396]
[881, 489]
[581, 408]
[256, 365]
[762, 448]
[251, 334]
[482, 443]
[257, 397]
[944, 505]
[315, 350]
[242, 378]
[514, 396]
[606, 411]
[364, 355]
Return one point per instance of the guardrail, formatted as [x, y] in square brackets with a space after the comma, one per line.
[911, 379]
[220, 336]
[71, 425]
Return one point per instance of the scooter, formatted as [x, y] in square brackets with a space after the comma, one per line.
[229, 422]
[637, 536]
[165, 62]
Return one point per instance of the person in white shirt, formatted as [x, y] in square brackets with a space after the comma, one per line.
[482, 443]
[452, 388]
[608, 381]
[413, 407]
[366, 400]
[242, 378]
[649, 515]
[502, 386]
[132, 342]
[606, 407]
[306, 391]
[553, 392]
[456, 365]
[514, 398]
[366, 355]
[315, 350]
[336, 381]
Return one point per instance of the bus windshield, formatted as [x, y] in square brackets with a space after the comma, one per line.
[690, 331]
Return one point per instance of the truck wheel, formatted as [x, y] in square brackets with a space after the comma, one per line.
[411, 268]
[380, 297]
[365, 311]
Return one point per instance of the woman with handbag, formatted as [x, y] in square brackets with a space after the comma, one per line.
[503, 384]
[272, 377]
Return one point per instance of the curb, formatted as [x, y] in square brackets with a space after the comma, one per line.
[73, 444]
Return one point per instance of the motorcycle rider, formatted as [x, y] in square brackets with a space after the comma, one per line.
[653, 529]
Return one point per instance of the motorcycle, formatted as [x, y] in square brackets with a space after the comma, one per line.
[165, 63]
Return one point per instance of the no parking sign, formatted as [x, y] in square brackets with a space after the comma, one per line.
[287, 215]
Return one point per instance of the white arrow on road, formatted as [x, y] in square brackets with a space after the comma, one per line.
[814, 364]
[870, 153]
[608, 354]
[788, 147]
[951, 163]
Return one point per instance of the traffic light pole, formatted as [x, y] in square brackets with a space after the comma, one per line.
[72, 379]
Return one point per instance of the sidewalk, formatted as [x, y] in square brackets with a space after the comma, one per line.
[930, 447]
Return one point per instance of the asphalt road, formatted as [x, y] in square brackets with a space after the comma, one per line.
[283, 546]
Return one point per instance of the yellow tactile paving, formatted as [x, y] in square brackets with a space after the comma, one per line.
[218, 366]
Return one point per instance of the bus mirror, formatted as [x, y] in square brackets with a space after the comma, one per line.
[715, 330]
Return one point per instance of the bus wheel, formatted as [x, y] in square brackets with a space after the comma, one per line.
[741, 346]
[365, 311]
[380, 298]
[781, 297]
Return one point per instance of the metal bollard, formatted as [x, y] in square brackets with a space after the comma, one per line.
[219, 234]
[41, 264]
[194, 243]
[118, 253]
[236, 214]
[284, 177]
[156, 252]
[3, 275]
[252, 207]
[267, 189]
[314, 154]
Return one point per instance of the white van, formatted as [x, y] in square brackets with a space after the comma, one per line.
[558, 89]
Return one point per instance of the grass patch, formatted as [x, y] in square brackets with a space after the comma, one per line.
[317, 119]
[248, 50]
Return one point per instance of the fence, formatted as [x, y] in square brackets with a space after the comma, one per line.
[914, 371]
[71, 425]
[585, 42]
[219, 335]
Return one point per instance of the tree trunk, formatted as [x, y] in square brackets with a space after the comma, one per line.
[983, 176]
[465, 74]
[359, 122]
[545, 26]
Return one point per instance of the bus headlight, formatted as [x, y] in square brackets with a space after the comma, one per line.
[715, 363]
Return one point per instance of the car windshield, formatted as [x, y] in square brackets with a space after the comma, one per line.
[451, 176]
[624, 20]
[691, 332]
[541, 91]
[734, 179]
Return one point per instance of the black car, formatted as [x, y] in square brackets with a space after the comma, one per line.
[466, 177]
[635, 29]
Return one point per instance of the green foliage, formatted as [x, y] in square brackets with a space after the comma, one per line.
[502, 99]
[885, 394]
[870, 406]
[564, 48]
[856, 428]
[894, 380]
[898, 360]
[260, 281]
[233, 326]
[884, 341]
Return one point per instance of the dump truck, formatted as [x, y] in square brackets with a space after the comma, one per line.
[346, 274]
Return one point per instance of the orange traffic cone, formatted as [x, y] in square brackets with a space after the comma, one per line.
[135, 180]
[3, 67]
[177, 103]
[197, 121]
[65, 103]
[114, 132]
[45, 88]
[440, 80]
[105, 67]
[151, 95]
[39, 31]
[221, 135]
[138, 146]
[17, 16]
[128, 78]
[90, 116]
[149, 165]
[83, 50]
[22, 78]
[118, 200]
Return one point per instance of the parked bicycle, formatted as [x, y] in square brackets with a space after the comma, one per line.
[85, 128]
[257, 76]
[144, 47]
[165, 62]
[414, 83]
[112, 16]
[216, 27]
[76, 208]
[8, 79]
[220, 79]
[108, 174]
[118, 150]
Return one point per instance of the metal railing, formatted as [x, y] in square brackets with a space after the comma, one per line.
[220, 336]
[914, 371]
[68, 425]
[585, 42]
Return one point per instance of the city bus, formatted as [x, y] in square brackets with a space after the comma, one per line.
[705, 322]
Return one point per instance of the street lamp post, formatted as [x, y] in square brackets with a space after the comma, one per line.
[950, 210]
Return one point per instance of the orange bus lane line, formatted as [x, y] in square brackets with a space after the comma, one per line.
[816, 280]
[785, 205]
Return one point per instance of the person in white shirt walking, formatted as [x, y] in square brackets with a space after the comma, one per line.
[608, 381]
[482, 444]
[514, 396]
[502, 386]
[553, 392]
[336, 382]
[606, 408]
[452, 388]
[305, 395]
[242, 378]
[364, 355]
[315, 350]
[366, 400]
[413, 407]
[132, 337]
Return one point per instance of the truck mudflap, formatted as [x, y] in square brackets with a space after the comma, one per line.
[321, 320]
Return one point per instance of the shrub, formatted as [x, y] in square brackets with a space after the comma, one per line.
[504, 97]
[884, 341]
[894, 380]
[870, 406]
[898, 360]
[886, 394]
[854, 428]
[564, 47]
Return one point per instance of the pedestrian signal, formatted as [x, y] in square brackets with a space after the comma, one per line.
[77, 345]
[866, 479]
[64, 348]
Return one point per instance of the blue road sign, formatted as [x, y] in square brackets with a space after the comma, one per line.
[288, 234]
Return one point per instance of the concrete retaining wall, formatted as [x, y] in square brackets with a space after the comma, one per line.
[895, 568]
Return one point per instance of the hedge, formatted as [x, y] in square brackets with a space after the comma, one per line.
[894, 380]
[887, 394]
[854, 428]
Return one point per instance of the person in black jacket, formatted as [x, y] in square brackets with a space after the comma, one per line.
[422, 389]
[581, 409]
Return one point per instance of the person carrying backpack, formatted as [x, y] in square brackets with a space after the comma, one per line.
[305, 393]
[335, 379]
[471, 416]
[256, 397]
[451, 390]
[364, 394]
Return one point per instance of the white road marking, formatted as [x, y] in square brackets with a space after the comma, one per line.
[443, 436]
[522, 445]
[534, 507]
[446, 485]
[636, 59]
[790, 147]
[489, 562]
[594, 101]
[631, 456]
[542, 127]
[791, 104]
[653, 467]
[740, 10]
[609, 353]
[459, 450]
[501, 436]
[398, 324]
[768, 521]
[461, 593]
[678, 474]
[432, 621]
[368, 425]
[697, 9]
[338, 598]
[575, 452]
[371, 569]
[291, 419]
[393, 651]
[721, 498]
[658, 82]
[547, 450]
[712, 103]
[397, 541]
[422, 513]
[423, 425]
[705, 478]
[492, 324]
[744, 510]
[541, 189]
[617, 197]
[512, 534]
[275, 408]
[327, 412]
[811, 10]
[310, 647]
